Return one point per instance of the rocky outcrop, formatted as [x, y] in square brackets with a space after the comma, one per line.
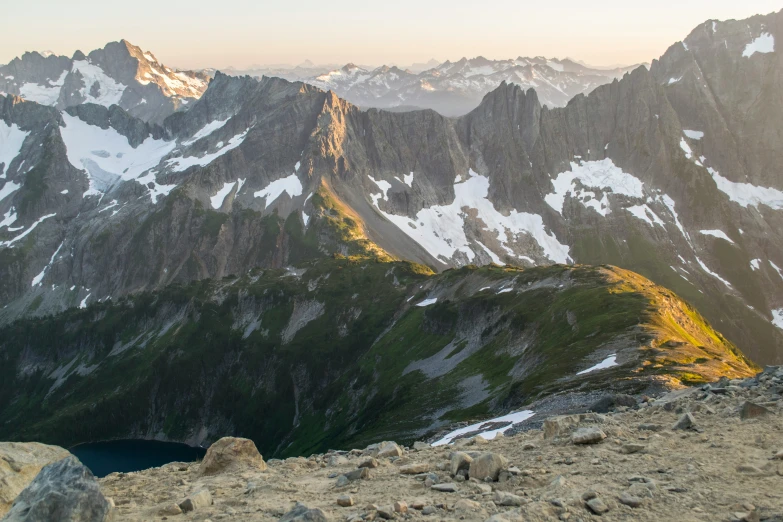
[20, 462]
[64, 490]
[728, 470]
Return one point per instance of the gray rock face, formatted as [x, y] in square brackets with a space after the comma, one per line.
[20, 463]
[64, 491]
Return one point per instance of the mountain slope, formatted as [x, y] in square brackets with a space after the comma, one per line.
[345, 351]
[644, 173]
[119, 74]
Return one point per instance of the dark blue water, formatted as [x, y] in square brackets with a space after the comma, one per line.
[133, 455]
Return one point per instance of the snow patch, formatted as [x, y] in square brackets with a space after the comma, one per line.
[220, 196]
[755, 264]
[777, 318]
[511, 418]
[46, 94]
[408, 178]
[717, 233]
[440, 229]
[748, 195]
[83, 304]
[24, 234]
[107, 157]
[765, 43]
[428, 302]
[290, 184]
[603, 175]
[107, 93]
[694, 135]
[8, 188]
[37, 279]
[11, 140]
[606, 363]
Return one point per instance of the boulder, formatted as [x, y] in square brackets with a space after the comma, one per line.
[565, 424]
[459, 460]
[418, 445]
[302, 513]
[503, 498]
[198, 500]
[415, 468]
[20, 462]
[231, 454]
[65, 491]
[345, 501]
[685, 422]
[751, 410]
[591, 435]
[388, 449]
[369, 462]
[487, 466]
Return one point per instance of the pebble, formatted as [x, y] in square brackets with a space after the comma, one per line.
[345, 501]
[589, 435]
[685, 422]
[597, 506]
[448, 487]
[630, 500]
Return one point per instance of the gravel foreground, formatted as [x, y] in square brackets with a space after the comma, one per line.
[710, 453]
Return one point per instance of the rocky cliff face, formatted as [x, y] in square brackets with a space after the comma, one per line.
[346, 351]
[119, 74]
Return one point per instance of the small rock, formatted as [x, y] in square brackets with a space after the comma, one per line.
[369, 462]
[342, 481]
[345, 501]
[417, 505]
[597, 506]
[429, 510]
[338, 460]
[630, 500]
[631, 448]
[502, 498]
[302, 513]
[361, 473]
[591, 435]
[650, 427]
[528, 446]
[467, 505]
[448, 487]
[589, 495]
[487, 466]
[200, 499]
[169, 510]
[386, 512]
[459, 460]
[400, 507]
[747, 468]
[415, 469]
[752, 410]
[685, 422]
[418, 445]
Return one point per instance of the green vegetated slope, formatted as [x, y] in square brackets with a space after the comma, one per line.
[335, 352]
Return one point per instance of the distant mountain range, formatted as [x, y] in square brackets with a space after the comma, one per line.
[450, 88]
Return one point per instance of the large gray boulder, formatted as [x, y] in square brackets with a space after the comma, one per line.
[64, 491]
[20, 462]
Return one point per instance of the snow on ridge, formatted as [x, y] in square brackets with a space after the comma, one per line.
[748, 195]
[408, 179]
[9, 187]
[440, 229]
[717, 233]
[606, 363]
[9, 218]
[11, 140]
[601, 174]
[777, 269]
[43, 94]
[764, 44]
[290, 185]
[755, 264]
[183, 163]
[427, 302]
[206, 130]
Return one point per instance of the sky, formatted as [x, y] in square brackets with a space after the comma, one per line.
[238, 33]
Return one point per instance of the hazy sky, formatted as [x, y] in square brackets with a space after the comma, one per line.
[215, 33]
